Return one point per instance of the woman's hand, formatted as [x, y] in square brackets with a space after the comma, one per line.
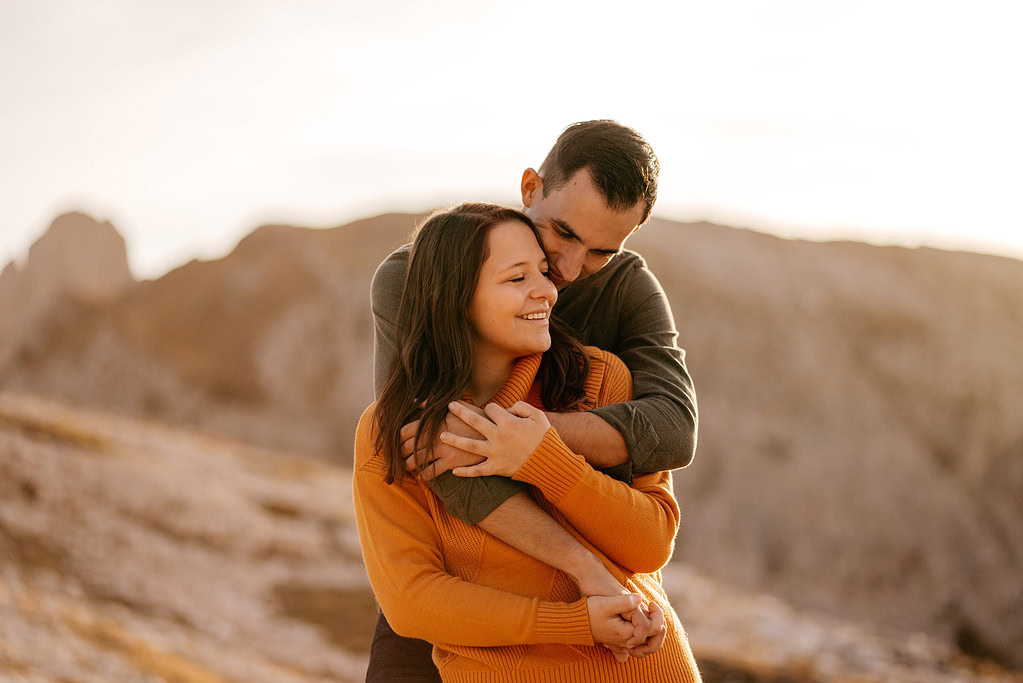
[509, 437]
[657, 631]
[635, 632]
[607, 626]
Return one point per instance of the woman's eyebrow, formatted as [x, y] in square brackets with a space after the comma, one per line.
[520, 264]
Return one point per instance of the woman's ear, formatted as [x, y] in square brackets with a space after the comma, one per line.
[532, 187]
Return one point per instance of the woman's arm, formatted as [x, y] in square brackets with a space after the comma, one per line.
[402, 551]
[634, 526]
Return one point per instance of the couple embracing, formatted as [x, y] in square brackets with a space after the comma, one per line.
[512, 481]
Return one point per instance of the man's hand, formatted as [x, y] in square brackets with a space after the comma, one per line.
[509, 437]
[444, 457]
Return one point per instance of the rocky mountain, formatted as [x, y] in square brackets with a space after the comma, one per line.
[860, 452]
[116, 565]
[78, 258]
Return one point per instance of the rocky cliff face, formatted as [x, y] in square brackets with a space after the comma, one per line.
[78, 258]
[860, 444]
[860, 449]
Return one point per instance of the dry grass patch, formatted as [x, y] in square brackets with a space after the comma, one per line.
[65, 433]
[168, 666]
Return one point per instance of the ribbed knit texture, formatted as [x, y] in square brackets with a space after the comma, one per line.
[513, 617]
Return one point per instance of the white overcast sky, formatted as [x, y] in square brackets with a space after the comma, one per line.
[189, 123]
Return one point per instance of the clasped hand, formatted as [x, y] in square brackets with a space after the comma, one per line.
[626, 626]
[479, 443]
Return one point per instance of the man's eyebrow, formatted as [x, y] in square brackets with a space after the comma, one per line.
[571, 234]
[567, 229]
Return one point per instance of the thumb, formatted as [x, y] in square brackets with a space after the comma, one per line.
[619, 604]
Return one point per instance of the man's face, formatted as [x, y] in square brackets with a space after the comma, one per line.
[579, 231]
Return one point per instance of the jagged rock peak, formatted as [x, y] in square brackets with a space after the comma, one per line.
[80, 255]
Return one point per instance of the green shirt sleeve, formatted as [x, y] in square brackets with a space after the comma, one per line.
[385, 297]
[659, 425]
[468, 499]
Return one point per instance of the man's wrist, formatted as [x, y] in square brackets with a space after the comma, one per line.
[591, 437]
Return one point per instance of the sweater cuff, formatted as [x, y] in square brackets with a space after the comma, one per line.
[553, 467]
[563, 622]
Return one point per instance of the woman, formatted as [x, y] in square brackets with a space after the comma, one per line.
[474, 323]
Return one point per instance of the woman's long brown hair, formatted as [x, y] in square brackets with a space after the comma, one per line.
[434, 333]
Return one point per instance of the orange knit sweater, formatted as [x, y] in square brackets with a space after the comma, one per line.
[494, 613]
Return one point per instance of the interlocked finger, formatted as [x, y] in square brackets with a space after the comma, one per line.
[657, 633]
[473, 419]
[642, 627]
[412, 462]
[475, 446]
[496, 413]
[409, 431]
[523, 409]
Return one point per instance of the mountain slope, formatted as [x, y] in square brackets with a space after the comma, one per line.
[860, 448]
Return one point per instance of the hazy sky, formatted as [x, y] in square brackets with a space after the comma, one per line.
[188, 123]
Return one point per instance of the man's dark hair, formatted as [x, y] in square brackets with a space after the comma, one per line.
[622, 164]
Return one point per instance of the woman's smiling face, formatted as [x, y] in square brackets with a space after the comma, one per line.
[510, 309]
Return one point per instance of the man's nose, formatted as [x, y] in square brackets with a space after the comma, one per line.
[570, 265]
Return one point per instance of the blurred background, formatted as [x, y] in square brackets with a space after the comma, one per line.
[195, 197]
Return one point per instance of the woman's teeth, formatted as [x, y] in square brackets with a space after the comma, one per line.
[534, 316]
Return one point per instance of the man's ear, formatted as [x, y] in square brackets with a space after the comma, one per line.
[532, 187]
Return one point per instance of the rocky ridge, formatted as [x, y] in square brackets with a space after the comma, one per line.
[860, 453]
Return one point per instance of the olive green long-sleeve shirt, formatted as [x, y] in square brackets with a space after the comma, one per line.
[621, 308]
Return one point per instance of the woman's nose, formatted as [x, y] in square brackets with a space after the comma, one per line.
[545, 289]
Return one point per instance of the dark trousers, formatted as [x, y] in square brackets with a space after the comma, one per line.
[397, 659]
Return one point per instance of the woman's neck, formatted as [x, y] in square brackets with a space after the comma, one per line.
[489, 373]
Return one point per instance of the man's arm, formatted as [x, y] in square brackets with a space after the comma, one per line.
[385, 297]
[587, 433]
[659, 425]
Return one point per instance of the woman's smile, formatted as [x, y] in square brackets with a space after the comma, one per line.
[538, 317]
[511, 307]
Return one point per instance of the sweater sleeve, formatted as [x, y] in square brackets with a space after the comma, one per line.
[634, 526]
[404, 559]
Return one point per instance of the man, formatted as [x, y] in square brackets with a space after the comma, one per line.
[596, 187]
